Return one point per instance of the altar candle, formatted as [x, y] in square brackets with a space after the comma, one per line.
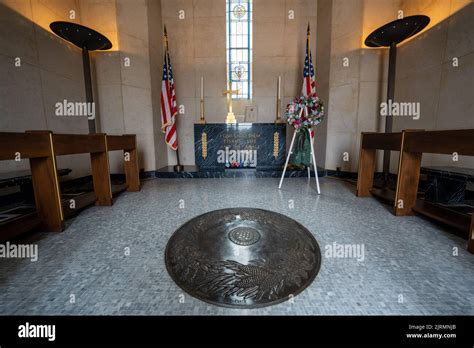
[202, 88]
[279, 83]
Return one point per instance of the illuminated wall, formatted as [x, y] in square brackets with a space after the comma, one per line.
[127, 100]
[425, 74]
[50, 70]
[436, 69]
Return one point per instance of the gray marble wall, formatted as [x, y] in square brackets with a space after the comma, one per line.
[50, 71]
[155, 29]
[351, 77]
[198, 48]
[129, 76]
[128, 97]
[426, 74]
[102, 16]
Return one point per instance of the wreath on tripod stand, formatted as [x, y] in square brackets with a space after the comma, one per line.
[305, 112]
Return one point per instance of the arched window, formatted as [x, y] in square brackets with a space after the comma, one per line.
[239, 47]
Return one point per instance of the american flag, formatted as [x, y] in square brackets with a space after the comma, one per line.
[168, 104]
[309, 83]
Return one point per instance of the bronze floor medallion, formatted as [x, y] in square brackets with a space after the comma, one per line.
[242, 257]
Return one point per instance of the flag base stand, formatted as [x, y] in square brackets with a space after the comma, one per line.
[178, 168]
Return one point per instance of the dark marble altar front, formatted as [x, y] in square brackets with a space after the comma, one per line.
[220, 146]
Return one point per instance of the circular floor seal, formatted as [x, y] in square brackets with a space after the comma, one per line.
[242, 257]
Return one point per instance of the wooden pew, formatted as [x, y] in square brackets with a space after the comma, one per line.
[42, 147]
[369, 144]
[414, 144]
[38, 148]
[127, 143]
[96, 145]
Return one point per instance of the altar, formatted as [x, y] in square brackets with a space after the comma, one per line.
[220, 146]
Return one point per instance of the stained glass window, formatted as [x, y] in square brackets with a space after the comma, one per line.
[239, 47]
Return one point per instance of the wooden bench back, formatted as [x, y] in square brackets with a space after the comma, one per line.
[121, 142]
[460, 141]
[381, 141]
[42, 147]
[70, 144]
[27, 145]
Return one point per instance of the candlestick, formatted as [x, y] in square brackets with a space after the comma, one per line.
[279, 84]
[202, 88]
[278, 102]
[202, 119]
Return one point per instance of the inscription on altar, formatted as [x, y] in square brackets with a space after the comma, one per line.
[223, 146]
[242, 140]
[240, 150]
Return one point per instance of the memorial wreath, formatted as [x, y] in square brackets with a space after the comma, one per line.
[305, 112]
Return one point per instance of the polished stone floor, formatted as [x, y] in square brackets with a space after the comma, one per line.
[110, 259]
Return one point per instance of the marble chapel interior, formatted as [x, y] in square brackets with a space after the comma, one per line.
[236, 157]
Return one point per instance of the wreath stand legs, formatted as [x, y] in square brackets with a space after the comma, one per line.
[311, 140]
[313, 160]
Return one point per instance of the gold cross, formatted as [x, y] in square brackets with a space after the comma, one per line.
[229, 93]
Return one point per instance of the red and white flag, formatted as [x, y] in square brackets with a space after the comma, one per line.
[169, 109]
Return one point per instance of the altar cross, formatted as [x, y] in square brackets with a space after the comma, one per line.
[229, 93]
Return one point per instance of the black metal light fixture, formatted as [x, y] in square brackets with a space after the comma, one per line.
[86, 39]
[390, 35]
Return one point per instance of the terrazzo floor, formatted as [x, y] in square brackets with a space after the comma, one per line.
[408, 265]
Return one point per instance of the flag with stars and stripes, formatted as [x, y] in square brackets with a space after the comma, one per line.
[309, 83]
[169, 109]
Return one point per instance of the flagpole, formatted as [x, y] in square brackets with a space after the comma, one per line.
[178, 167]
[308, 35]
[311, 131]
